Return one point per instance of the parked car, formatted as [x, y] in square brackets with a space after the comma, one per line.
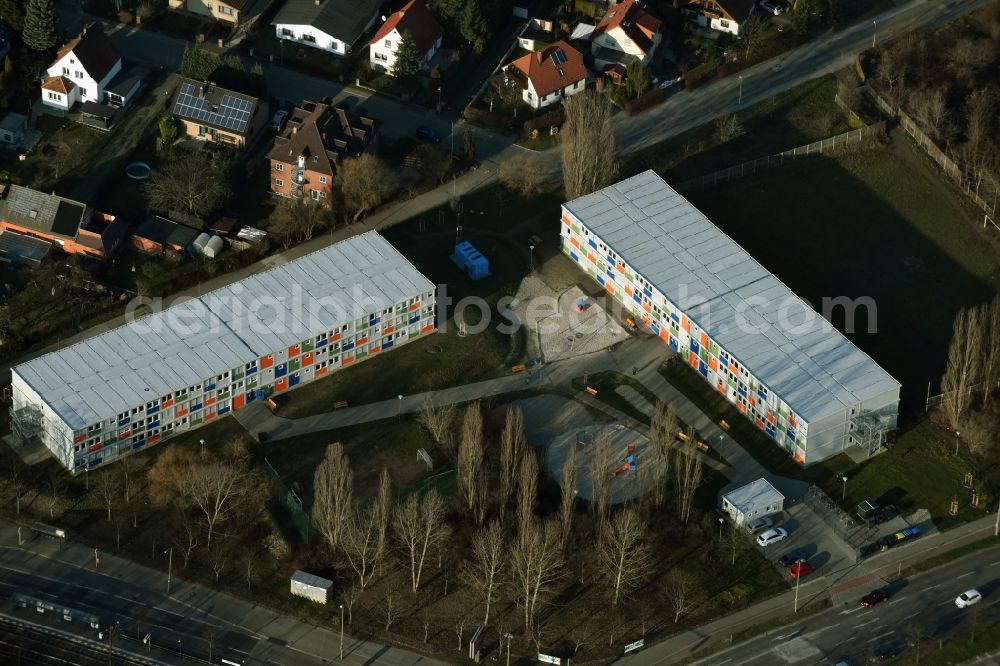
[874, 597]
[800, 570]
[757, 525]
[771, 7]
[888, 651]
[968, 598]
[870, 549]
[772, 536]
[788, 559]
[425, 133]
[278, 120]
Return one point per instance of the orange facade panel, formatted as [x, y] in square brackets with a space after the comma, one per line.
[704, 339]
[281, 385]
[266, 362]
[685, 323]
[238, 401]
[293, 351]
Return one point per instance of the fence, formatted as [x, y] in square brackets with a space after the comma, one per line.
[763, 163]
[936, 400]
[287, 498]
[948, 165]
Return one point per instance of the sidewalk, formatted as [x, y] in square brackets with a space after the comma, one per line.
[276, 636]
[862, 575]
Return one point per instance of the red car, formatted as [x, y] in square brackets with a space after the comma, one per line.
[874, 597]
[800, 570]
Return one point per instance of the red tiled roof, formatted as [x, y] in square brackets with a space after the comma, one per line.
[59, 84]
[416, 19]
[94, 51]
[735, 10]
[637, 23]
[546, 74]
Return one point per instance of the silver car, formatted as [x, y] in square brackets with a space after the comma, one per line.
[772, 536]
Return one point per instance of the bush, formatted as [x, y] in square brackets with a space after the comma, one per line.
[483, 118]
[645, 101]
[698, 75]
[542, 123]
[125, 17]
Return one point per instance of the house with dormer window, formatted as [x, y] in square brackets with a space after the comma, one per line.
[88, 69]
[548, 76]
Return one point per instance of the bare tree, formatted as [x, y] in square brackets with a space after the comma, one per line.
[752, 37]
[523, 174]
[186, 538]
[625, 556]
[512, 446]
[536, 564]
[567, 499]
[663, 428]
[688, 472]
[251, 564]
[350, 597]
[588, 144]
[471, 460]
[681, 588]
[419, 525]
[930, 108]
[366, 183]
[383, 510]
[220, 555]
[733, 540]
[483, 570]
[107, 489]
[964, 365]
[599, 474]
[128, 466]
[991, 346]
[296, 220]
[979, 150]
[438, 420]
[527, 491]
[15, 479]
[359, 542]
[56, 489]
[190, 183]
[390, 609]
[333, 492]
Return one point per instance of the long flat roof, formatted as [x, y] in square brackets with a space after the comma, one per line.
[203, 337]
[777, 335]
[754, 494]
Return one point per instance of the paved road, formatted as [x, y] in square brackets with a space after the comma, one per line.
[27, 636]
[922, 605]
[134, 596]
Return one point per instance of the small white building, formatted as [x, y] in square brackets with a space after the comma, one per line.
[548, 76]
[329, 25]
[754, 500]
[12, 128]
[85, 70]
[721, 15]
[414, 18]
[311, 587]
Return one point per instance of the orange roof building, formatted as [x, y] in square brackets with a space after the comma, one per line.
[414, 18]
[547, 76]
[628, 32]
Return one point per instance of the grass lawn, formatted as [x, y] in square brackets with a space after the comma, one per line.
[793, 118]
[878, 223]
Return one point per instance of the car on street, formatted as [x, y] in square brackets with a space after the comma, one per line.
[772, 7]
[788, 559]
[772, 536]
[800, 570]
[968, 598]
[428, 135]
[278, 120]
[874, 597]
[888, 651]
[757, 525]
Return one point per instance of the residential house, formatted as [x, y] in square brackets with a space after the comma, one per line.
[316, 139]
[88, 69]
[234, 12]
[12, 128]
[211, 113]
[537, 33]
[71, 226]
[627, 33]
[722, 15]
[414, 18]
[331, 25]
[548, 76]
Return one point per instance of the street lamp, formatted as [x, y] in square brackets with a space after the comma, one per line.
[342, 632]
[202, 442]
[740, 101]
[874, 31]
[531, 258]
[508, 636]
[958, 436]
[721, 523]
[399, 406]
[843, 495]
[170, 566]
[798, 579]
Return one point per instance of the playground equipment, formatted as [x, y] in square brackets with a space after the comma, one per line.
[581, 304]
[630, 463]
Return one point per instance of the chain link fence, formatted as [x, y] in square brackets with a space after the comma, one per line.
[770, 161]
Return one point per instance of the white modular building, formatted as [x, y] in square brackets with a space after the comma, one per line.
[311, 587]
[782, 365]
[754, 500]
[203, 358]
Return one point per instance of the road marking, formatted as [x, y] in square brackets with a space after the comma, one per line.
[993, 564]
[872, 640]
[916, 614]
[851, 610]
[964, 575]
[932, 587]
[724, 661]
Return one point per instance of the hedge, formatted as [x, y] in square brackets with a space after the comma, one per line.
[645, 101]
[483, 118]
[698, 75]
[543, 122]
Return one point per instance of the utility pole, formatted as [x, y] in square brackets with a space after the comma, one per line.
[342, 632]
[740, 100]
[798, 579]
[843, 495]
[170, 566]
[874, 31]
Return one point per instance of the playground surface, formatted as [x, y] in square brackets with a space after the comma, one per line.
[628, 447]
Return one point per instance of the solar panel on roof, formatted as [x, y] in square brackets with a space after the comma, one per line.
[559, 57]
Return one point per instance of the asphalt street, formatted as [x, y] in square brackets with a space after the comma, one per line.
[923, 605]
